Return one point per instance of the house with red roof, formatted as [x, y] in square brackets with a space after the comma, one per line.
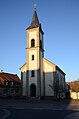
[9, 84]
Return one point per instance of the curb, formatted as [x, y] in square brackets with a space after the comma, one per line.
[74, 115]
[7, 114]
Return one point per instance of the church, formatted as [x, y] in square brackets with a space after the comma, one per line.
[40, 77]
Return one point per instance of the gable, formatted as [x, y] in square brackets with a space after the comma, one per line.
[24, 68]
[48, 66]
[55, 67]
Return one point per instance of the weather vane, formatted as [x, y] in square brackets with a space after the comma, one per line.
[35, 7]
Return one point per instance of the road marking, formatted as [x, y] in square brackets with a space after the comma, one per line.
[75, 109]
[37, 108]
[57, 109]
[41, 108]
[19, 108]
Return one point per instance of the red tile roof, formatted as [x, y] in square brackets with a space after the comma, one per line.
[8, 77]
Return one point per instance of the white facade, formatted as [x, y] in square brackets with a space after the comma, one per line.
[48, 72]
[40, 77]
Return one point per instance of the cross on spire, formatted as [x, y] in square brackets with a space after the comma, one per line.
[34, 7]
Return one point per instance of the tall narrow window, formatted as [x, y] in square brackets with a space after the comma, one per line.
[32, 73]
[32, 57]
[40, 44]
[32, 43]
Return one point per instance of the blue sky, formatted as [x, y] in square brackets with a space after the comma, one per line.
[60, 23]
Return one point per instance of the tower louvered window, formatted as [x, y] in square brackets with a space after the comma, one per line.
[32, 43]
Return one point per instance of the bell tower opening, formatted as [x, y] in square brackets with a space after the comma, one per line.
[32, 43]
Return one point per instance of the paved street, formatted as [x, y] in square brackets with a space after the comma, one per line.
[51, 105]
[23, 109]
[38, 114]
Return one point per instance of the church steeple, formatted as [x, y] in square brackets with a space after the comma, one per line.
[35, 21]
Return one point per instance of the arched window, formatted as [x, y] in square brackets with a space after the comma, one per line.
[32, 43]
[32, 57]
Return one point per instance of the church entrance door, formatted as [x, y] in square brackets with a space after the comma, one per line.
[32, 90]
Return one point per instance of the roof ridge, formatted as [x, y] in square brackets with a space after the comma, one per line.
[50, 61]
[9, 73]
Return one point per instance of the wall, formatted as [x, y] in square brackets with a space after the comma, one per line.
[24, 83]
[61, 78]
[74, 95]
[48, 73]
[23, 78]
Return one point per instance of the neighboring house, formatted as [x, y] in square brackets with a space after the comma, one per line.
[9, 84]
[74, 89]
[40, 77]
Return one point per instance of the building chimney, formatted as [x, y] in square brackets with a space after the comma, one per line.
[1, 71]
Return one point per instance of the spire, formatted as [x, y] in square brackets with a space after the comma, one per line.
[35, 21]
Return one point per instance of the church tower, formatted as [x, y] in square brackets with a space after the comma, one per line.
[34, 58]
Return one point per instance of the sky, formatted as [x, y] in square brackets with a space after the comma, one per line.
[60, 23]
